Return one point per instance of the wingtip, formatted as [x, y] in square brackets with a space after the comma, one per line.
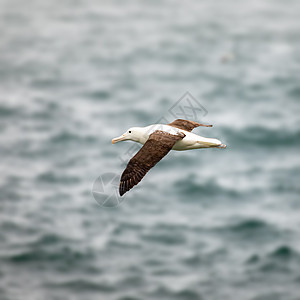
[122, 189]
[206, 125]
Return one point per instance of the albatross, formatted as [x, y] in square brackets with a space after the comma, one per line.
[157, 141]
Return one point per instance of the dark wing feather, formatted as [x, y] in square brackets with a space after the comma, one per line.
[156, 147]
[186, 124]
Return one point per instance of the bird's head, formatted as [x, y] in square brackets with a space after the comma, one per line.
[132, 134]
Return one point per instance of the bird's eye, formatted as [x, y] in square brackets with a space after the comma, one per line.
[129, 131]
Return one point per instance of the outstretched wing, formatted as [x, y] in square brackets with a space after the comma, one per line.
[156, 147]
[186, 124]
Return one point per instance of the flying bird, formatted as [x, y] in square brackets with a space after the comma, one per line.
[157, 141]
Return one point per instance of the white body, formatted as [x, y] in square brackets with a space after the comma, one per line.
[190, 141]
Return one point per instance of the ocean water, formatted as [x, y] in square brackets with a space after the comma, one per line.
[206, 224]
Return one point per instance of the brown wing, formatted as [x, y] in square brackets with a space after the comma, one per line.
[156, 147]
[186, 124]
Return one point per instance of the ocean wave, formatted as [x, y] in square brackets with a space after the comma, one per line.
[261, 136]
[99, 95]
[67, 137]
[193, 260]
[249, 225]
[283, 259]
[284, 252]
[129, 298]
[281, 185]
[295, 92]
[117, 244]
[163, 292]
[132, 280]
[7, 112]
[122, 227]
[54, 177]
[49, 239]
[189, 187]
[164, 238]
[82, 285]
[250, 231]
[44, 254]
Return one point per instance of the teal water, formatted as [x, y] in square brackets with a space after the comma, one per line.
[208, 224]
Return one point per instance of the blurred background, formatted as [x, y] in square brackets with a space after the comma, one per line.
[204, 224]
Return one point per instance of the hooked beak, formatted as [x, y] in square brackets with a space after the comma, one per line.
[118, 139]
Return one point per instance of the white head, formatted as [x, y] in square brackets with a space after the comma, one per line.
[133, 134]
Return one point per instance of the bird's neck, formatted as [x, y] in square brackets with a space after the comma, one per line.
[143, 135]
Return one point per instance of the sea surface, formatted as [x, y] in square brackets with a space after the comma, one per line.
[210, 224]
